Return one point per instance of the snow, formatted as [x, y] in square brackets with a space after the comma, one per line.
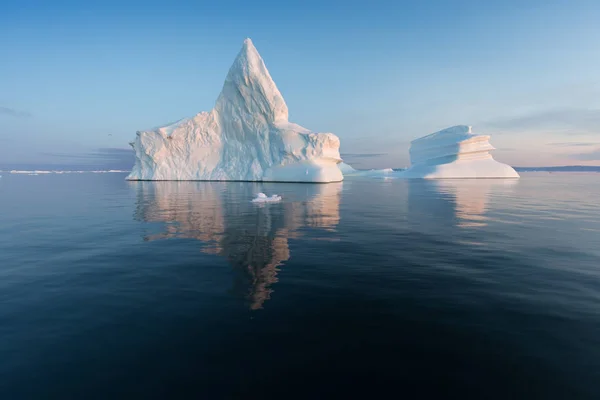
[262, 198]
[455, 152]
[245, 137]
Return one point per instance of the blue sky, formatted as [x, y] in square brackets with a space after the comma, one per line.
[78, 78]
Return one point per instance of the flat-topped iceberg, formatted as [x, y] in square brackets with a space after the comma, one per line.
[246, 137]
[455, 152]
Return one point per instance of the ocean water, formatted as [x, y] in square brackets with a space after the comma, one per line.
[379, 287]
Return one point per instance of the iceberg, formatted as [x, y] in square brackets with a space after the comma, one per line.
[455, 152]
[245, 137]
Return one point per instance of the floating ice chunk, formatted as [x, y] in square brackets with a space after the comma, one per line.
[30, 172]
[262, 198]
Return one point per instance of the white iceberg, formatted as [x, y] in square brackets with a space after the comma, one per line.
[455, 152]
[263, 198]
[246, 137]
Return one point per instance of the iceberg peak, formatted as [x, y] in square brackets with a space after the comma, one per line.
[249, 89]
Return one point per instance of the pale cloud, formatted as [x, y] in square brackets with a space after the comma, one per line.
[573, 144]
[11, 112]
[590, 156]
[569, 121]
[102, 158]
[363, 155]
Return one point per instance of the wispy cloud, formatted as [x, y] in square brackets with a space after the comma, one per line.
[102, 153]
[11, 112]
[363, 155]
[590, 156]
[103, 158]
[568, 120]
[573, 144]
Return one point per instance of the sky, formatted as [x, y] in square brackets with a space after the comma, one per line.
[79, 78]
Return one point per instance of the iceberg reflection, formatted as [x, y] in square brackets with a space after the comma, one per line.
[252, 237]
[462, 203]
[472, 197]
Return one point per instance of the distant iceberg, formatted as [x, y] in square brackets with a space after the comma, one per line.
[455, 152]
[246, 137]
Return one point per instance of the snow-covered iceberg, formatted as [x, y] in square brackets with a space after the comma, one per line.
[455, 152]
[246, 137]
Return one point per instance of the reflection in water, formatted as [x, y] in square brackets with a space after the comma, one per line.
[471, 197]
[460, 202]
[253, 238]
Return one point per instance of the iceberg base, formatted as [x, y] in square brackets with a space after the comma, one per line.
[316, 171]
[486, 168]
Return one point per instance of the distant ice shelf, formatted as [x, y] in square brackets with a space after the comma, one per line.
[60, 172]
[245, 137]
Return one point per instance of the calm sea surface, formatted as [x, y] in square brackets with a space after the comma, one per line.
[386, 288]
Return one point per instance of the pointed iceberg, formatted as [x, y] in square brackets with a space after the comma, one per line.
[455, 152]
[246, 137]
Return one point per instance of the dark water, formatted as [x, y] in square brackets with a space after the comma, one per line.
[458, 289]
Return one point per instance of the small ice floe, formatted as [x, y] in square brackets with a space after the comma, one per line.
[263, 198]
